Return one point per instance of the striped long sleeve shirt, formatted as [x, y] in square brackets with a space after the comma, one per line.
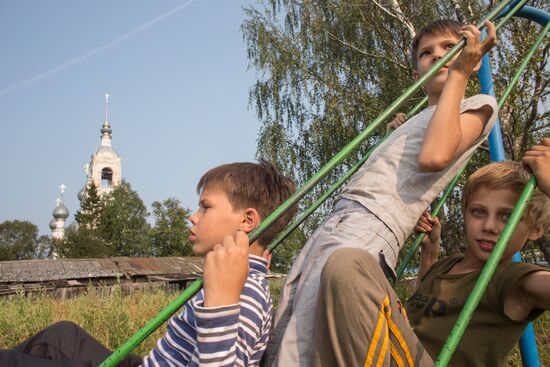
[232, 335]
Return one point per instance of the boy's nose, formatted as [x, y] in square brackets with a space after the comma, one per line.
[490, 225]
[193, 218]
[436, 57]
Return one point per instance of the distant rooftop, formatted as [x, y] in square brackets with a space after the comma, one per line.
[50, 275]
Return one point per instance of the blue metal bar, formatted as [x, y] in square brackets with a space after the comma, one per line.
[507, 9]
[527, 342]
[528, 345]
[496, 149]
[533, 14]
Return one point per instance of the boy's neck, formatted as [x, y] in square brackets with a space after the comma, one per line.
[467, 265]
[434, 95]
[256, 249]
[463, 267]
[433, 99]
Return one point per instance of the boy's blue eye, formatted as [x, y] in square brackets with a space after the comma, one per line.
[505, 216]
[477, 212]
[450, 45]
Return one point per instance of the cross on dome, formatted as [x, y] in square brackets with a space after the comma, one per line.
[62, 188]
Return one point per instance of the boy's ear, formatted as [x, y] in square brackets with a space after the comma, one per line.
[415, 75]
[251, 219]
[536, 233]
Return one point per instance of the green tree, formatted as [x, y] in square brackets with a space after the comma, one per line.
[19, 240]
[90, 210]
[285, 254]
[111, 225]
[123, 223]
[327, 68]
[169, 236]
[81, 242]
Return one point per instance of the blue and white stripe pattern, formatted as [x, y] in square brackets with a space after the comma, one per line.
[233, 335]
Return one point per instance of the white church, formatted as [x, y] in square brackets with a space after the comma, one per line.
[104, 170]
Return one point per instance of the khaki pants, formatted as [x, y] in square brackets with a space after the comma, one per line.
[350, 225]
[359, 320]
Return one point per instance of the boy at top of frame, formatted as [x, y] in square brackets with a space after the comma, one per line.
[228, 322]
[381, 204]
[516, 294]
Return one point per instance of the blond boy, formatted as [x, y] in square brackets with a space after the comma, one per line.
[352, 329]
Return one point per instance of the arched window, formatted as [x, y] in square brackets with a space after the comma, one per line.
[106, 177]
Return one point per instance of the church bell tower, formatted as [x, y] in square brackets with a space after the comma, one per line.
[104, 169]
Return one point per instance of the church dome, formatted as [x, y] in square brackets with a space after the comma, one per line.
[60, 212]
[82, 194]
[52, 224]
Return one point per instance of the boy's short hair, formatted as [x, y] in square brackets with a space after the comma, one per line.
[253, 185]
[509, 175]
[442, 26]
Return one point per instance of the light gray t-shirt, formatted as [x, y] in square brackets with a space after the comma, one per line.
[390, 183]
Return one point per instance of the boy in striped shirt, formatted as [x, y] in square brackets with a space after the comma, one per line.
[228, 322]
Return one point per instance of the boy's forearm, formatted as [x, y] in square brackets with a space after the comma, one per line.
[536, 286]
[444, 132]
[220, 297]
[427, 259]
[217, 333]
[231, 332]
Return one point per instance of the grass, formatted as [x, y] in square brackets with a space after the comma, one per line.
[541, 326]
[114, 318]
[111, 319]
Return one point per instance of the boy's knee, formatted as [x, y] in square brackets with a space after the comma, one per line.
[65, 324]
[63, 328]
[54, 340]
[344, 265]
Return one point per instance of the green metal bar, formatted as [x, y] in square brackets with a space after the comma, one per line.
[127, 347]
[355, 143]
[152, 325]
[510, 14]
[488, 270]
[288, 230]
[523, 65]
[416, 108]
[414, 246]
[485, 276]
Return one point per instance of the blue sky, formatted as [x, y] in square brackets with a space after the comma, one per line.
[178, 89]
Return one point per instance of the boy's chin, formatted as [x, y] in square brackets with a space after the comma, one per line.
[200, 249]
[435, 85]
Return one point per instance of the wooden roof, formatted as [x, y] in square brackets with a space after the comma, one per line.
[33, 271]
